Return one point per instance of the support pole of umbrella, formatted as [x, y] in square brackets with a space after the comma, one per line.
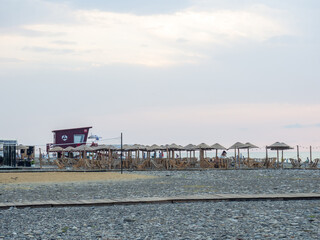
[248, 158]
[310, 154]
[298, 153]
[282, 159]
[121, 150]
[267, 160]
[277, 158]
[235, 158]
[239, 157]
[40, 158]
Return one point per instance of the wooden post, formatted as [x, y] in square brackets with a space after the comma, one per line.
[310, 154]
[282, 159]
[121, 150]
[235, 158]
[40, 158]
[267, 160]
[277, 158]
[239, 157]
[248, 158]
[298, 153]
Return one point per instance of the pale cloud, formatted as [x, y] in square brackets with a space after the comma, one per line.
[99, 38]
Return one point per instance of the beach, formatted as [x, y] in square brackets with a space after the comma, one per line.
[198, 220]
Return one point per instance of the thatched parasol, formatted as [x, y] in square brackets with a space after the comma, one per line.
[68, 149]
[248, 146]
[83, 148]
[22, 147]
[217, 147]
[236, 146]
[174, 146]
[279, 146]
[56, 149]
[204, 146]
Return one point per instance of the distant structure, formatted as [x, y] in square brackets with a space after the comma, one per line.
[8, 152]
[69, 137]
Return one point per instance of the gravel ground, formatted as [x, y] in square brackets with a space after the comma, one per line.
[203, 220]
[198, 220]
[170, 183]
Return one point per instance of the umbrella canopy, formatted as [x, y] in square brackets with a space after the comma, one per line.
[22, 147]
[248, 145]
[100, 147]
[204, 146]
[190, 147]
[279, 146]
[105, 147]
[128, 147]
[139, 147]
[56, 149]
[155, 147]
[237, 145]
[174, 146]
[84, 148]
[218, 146]
[68, 149]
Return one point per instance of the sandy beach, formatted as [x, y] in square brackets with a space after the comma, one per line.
[58, 177]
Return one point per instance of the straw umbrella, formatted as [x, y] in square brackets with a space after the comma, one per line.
[236, 146]
[174, 147]
[248, 146]
[22, 147]
[68, 149]
[56, 149]
[217, 147]
[84, 148]
[279, 146]
[202, 148]
[190, 148]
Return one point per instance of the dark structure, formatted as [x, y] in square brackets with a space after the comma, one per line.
[9, 152]
[70, 137]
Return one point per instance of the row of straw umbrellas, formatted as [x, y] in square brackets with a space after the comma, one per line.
[278, 146]
[155, 147]
[170, 149]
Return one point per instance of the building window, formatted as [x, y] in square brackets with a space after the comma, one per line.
[78, 138]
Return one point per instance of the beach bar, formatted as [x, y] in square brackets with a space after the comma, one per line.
[71, 137]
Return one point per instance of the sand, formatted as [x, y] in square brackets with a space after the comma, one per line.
[47, 177]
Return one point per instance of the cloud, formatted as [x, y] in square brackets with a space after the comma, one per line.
[10, 60]
[176, 38]
[297, 125]
[50, 50]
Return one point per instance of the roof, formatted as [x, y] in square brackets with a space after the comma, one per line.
[218, 146]
[70, 129]
[279, 146]
[237, 145]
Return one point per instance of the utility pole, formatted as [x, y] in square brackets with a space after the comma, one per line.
[121, 154]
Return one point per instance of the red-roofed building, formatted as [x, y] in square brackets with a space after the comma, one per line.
[70, 137]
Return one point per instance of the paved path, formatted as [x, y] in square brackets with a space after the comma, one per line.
[157, 200]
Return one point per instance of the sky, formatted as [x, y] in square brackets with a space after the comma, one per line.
[170, 71]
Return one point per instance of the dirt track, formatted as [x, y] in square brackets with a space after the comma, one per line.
[16, 178]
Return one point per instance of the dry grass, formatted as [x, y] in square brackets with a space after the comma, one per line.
[45, 177]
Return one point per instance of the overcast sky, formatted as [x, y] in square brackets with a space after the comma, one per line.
[183, 71]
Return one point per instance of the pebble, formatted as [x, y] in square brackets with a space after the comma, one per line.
[197, 220]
